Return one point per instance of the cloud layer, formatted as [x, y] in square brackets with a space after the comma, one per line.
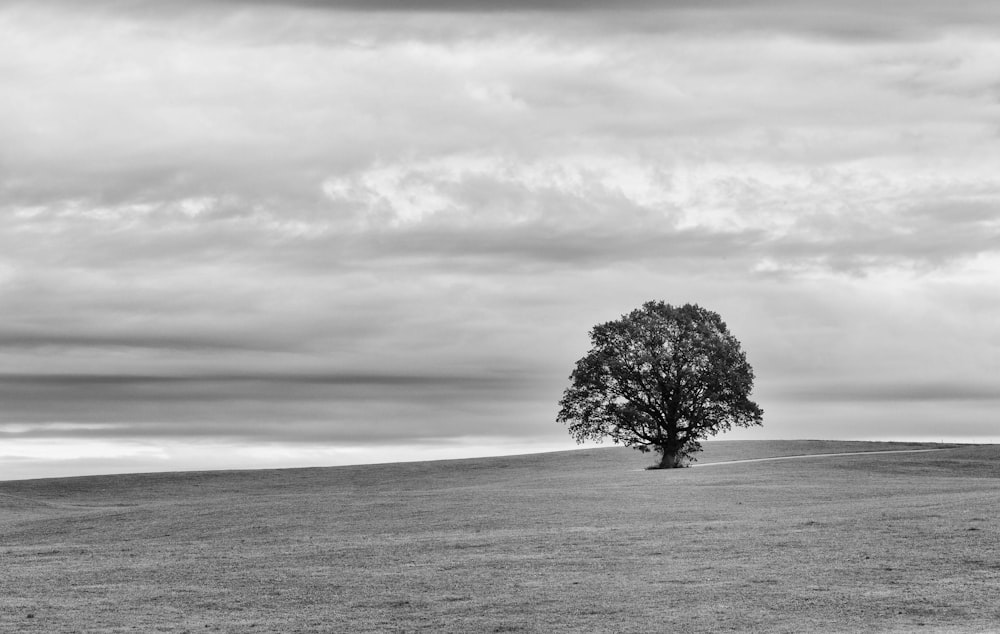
[345, 224]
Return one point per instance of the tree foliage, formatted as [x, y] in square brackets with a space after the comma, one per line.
[660, 378]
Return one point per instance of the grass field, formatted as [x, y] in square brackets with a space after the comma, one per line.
[581, 541]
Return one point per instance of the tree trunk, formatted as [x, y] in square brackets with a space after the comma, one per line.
[669, 459]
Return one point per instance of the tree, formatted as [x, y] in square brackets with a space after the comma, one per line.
[660, 378]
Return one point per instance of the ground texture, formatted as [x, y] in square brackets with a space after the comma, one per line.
[584, 541]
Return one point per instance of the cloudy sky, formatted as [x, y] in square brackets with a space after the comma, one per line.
[255, 233]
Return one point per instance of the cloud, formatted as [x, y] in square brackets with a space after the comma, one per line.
[346, 223]
[849, 20]
[908, 392]
[291, 408]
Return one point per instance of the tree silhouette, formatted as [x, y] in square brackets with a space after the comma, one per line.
[660, 378]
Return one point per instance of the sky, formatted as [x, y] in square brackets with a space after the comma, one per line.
[269, 233]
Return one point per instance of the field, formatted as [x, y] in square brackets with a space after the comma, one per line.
[580, 541]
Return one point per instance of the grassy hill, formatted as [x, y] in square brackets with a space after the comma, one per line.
[562, 542]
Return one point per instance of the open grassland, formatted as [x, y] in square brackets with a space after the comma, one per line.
[582, 541]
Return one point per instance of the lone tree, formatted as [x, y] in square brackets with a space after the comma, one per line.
[660, 378]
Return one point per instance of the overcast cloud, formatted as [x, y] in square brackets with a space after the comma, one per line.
[259, 233]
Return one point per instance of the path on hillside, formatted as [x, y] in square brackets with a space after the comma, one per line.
[822, 455]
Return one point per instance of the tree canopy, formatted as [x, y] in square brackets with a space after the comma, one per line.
[660, 378]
